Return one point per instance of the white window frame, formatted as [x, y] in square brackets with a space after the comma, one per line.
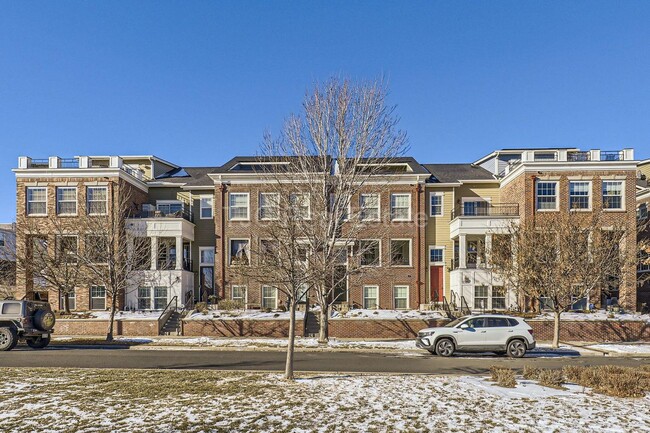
[277, 206]
[91, 297]
[201, 250]
[615, 209]
[437, 194]
[262, 297]
[88, 201]
[59, 201]
[147, 298]
[302, 194]
[155, 298]
[395, 298]
[72, 300]
[361, 206]
[437, 247]
[230, 250]
[557, 193]
[27, 202]
[378, 261]
[487, 298]
[392, 208]
[410, 241]
[589, 196]
[248, 206]
[169, 202]
[244, 299]
[202, 207]
[365, 298]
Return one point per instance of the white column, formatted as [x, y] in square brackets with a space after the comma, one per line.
[488, 249]
[462, 251]
[154, 253]
[179, 252]
[54, 162]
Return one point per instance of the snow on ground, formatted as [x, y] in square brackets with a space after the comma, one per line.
[639, 349]
[207, 401]
[242, 314]
[388, 314]
[284, 315]
[595, 315]
[119, 315]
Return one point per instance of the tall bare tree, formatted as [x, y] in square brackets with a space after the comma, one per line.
[111, 255]
[562, 258]
[344, 142]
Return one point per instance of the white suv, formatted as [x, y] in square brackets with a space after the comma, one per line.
[481, 333]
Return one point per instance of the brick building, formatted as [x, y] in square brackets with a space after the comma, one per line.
[433, 244]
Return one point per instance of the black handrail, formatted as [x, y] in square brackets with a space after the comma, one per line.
[167, 310]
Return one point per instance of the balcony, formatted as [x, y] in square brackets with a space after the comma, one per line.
[83, 162]
[184, 213]
[480, 218]
[485, 209]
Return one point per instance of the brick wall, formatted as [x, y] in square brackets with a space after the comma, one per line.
[100, 327]
[601, 331]
[239, 328]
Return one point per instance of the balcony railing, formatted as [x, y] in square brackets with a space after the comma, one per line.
[578, 156]
[40, 163]
[184, 213]
[615, 155]
[487, 210]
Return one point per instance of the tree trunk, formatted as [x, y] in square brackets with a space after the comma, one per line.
[556, 329]
[109, 335]
[288, 369]
[323, 329]
[66, 303]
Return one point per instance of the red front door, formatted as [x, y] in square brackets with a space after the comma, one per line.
[436, 281]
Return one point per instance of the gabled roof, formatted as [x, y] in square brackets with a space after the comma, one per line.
[450, 173]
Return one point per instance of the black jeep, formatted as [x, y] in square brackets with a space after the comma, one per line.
[25, 320]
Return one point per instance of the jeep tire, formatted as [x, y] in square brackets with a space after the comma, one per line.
[44, 320]
[8, 338]
[38, 342]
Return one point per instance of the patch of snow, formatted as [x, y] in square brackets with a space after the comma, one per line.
[389, 314]
[595, 315]
[639, 349]
[243, 315]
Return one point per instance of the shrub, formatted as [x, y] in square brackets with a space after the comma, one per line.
[551, 378]
[504, 377]
[530, 372]
[229, 305]
[201, 307]
[573, 373]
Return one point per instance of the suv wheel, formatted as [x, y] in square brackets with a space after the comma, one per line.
[38, 342]
[8, 339]
[445, 347]
[516, 349]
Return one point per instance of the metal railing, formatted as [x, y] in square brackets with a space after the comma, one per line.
[483, 210]
[184, 213]
[166, 312]
[578, 156]
[615, 155]
[135, 172]
[40, 163]
[69, 163]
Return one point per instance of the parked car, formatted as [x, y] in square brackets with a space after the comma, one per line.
[480, 333]
[25, 320]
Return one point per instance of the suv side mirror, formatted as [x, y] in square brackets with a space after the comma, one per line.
[464, 326]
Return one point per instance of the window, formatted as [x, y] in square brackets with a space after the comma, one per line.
[435, 202]
[142, 251]
[239, 294]
[268, 251]
[206, 282]
[269, 297]
[170, 207]
[96, 248]
[400, 294]
[66, 201]
[370, 297]
[269, 205]
[369, 204]
[239, 252]
[303, 292]
[66, 248]
[98, 298]
[11, 308]
[612, 194]
[436, 255]
[340, 207]
[36, 201]
[478, 322]
[480, 297]
[642, 211]
[159, 298]
[205, 203]
[400, 252]
[475, 207]
[144, 298]
[498, 298]
[546, 195]
[300, 204]
[72, 304]
[238, 206]
[579, 195]
[96, 200]
[206, 256]
[370, 253]
[498, 322]
[400, 207]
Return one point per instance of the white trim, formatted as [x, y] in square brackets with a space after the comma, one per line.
[589, 197]
[27, 188]
[248, 206]
[296, 194]
[378, 206]
[232, 293]
[557, 195]
[440, 194]
[408, 292]
[229, 257]
[436, 247]
[410, 265]
[262, 297]
[79, 173]
[206, 196]
[623, 186]
[105, 187]
[409, 195]
[201, 263]
[58, 202]
[259, 206]
[376, 298]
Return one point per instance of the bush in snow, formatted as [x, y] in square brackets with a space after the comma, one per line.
[504, 377]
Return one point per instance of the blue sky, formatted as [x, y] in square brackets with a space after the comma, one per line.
[197, 82]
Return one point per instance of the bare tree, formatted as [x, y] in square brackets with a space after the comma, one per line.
[643, 246]
[49, 256]
[345, 142]
[562, 258]
[281, 257]
[111, 256]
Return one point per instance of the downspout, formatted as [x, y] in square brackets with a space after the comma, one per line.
[222, 234]
[418, 264]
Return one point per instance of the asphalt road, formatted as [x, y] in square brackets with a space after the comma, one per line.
[349, 362]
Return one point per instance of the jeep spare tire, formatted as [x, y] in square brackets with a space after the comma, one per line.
[8, 339]
[44, 320]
